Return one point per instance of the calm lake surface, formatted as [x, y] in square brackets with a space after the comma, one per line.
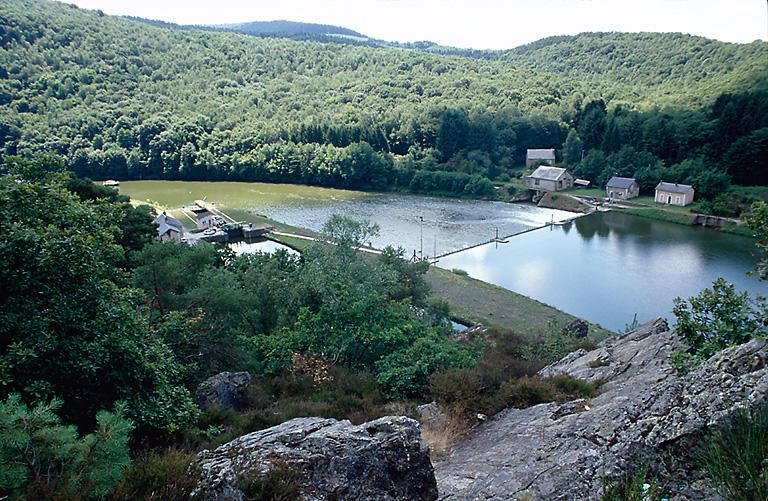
[267, 246]
[448, 223]
[605, 267]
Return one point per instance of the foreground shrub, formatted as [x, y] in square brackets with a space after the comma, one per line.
[70, 328]
[714, 319]
[635, 485]
[40, 458]
[527, 391]
[444, 432]
[168, 475]
[737, 457]
[553, 344]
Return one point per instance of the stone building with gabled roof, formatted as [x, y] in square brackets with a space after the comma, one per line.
[206, 219]
[169, 229]
[674, 194]
[546, 178]
[622, 187]
[542, 155]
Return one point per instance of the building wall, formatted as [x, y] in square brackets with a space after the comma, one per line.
[670, 198]
[548, 185]
[541, 185]
[171, 236]
[543, 161]
[623, 193]
[207, 221]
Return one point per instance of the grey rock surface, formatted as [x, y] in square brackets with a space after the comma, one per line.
[226, 389]
[644, 413]
[383, 460]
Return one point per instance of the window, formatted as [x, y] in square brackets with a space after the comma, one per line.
[677, 200]
[536, 182]
[560, 184]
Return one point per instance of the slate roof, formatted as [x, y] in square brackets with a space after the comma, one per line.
[166, 223]
[549, 173]
[674, 187]
[201, 215]
[621, 183]
[541, 154]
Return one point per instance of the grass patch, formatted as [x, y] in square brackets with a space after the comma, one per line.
[736, 460]
[441, 435]
[298, 244]
[167, 475]
[672, 216]
[635, 485]
[493, 306]
[681, 215]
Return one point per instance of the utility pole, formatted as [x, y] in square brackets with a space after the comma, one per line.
[421, 237]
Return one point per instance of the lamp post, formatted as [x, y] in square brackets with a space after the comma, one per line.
[421, 237]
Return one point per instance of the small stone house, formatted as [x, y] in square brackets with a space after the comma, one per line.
[206, 219]
[544, 156]
[674, 194]
[546, 178]
[622, 187]
[169, 229]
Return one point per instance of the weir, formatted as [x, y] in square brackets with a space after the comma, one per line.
[503, 240]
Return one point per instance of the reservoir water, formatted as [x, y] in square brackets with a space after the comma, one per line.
[605, 267]
[414, 222]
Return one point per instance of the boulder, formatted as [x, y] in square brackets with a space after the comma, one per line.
[226, 389]
[383, 459]
[645, 413]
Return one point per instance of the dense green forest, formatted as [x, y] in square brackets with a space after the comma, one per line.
[104, 329]
[118, 98]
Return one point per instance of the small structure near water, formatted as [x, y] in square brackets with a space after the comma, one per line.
[547, 178]
[622, 187]
[169, 229]
[237, 231]
[674, 194]
[541, 155]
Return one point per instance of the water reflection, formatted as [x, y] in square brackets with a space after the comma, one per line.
[254, 246]
[613, 266]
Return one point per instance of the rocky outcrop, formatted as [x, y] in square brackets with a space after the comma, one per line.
[576, 328]
[645, 413]
[383, 459]
[226, 389]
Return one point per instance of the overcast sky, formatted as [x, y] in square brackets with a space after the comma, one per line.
[479, 24]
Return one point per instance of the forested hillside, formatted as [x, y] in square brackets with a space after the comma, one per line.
[649, 68]
[119, 98]
[286, 29]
